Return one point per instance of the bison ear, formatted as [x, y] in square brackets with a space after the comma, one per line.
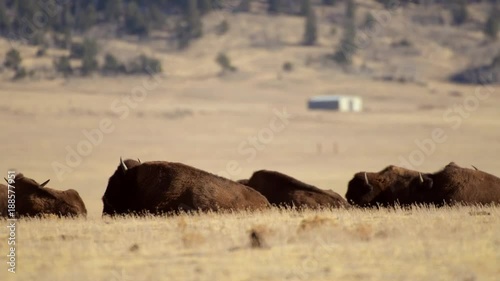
[45, 183]
[123, 165]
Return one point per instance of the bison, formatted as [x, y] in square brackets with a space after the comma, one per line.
[389, 187]
[283, 190]
[160, 187]
[34, 199]
[3, 200]
[454, 184]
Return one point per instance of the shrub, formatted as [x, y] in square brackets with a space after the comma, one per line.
[225, 63]
[287, 66]
[20, 73]
[402, 43]
[41, 52]
[222, 27]
[112, 65]
[62, 65]
[144, 65]
[492, 25]
[76, 50]
[12, 59]
[310, 32]
[369, 21]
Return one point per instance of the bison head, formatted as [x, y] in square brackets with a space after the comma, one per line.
[359, 190]
[119, 195]
[43, 200]
[386, 187]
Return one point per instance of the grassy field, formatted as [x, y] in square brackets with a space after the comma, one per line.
[461, 243]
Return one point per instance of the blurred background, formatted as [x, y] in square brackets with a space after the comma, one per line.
[318, 90]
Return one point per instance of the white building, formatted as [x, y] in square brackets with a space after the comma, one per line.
[337, 103]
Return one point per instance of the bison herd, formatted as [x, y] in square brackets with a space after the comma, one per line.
[159, 187]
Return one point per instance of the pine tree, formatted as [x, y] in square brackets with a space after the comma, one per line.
[87, 18]
[459, 12]
[205, 6]
[244, 6]
[492, 24]
[67, 40]
[25, 9]
[310, 31]
[193, 19]
[274, 6]
[89, 61]
[347, 47]
[113, 10]
[4, 19]
[350, 10]
[182, 35]
[135, 22]
[305, 6]
[328, 2]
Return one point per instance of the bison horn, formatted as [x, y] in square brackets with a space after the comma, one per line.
[6, 180]
[122, 164]
[45, 183]
[421, 178]
[366, 179]
[474, 167]
[139, 160]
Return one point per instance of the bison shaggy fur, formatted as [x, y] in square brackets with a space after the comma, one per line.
[160, 187]
[283, 190]
[34, 199]
[454, 184]
[389, 187]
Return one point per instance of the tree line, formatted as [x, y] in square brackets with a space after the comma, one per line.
[31, 21]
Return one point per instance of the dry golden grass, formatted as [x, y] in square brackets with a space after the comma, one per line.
[460, 243]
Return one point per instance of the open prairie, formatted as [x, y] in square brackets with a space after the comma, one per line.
[73, 132]
[415, 244]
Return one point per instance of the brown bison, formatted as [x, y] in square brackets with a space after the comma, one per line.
[160, 187]
[34, 199]
[385, 188]
[283, 190]
[455, 184]
[3, 200]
